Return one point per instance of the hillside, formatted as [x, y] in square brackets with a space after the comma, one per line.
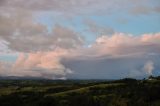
[125, 92]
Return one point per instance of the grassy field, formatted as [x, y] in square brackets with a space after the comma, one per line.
[124, 92]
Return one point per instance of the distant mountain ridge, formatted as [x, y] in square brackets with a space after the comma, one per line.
[20, 78]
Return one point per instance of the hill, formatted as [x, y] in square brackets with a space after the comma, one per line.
[124, 92]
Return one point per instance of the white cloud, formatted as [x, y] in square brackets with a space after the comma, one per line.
[149, 67]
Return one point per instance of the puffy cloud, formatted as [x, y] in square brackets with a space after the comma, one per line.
[40, 64]
[60, 37]
[66, 38]
[126, 44]
[23, 34]
[111, 57]
[46, 64]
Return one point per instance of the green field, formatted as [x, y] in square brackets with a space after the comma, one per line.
[124, 92]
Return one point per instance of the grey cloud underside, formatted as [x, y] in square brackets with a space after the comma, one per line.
[125, 61]
[112, 68]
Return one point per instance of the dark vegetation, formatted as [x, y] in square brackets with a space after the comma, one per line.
[124, 92]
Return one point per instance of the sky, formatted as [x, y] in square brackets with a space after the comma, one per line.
[80, 39]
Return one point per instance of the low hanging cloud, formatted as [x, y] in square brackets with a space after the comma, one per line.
[110, 57]
[40, 64]
[149, 67]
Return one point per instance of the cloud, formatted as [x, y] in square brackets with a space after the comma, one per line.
[23, 34]
[62, 53]
[60, 37]
[40, 64]
[143, 9]
[67, 38]
[117, 56]
[47, 64]
[93, 27]
[110, 57]
[149, 67]
[3, 46]
[72, 7]
[4, 68]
